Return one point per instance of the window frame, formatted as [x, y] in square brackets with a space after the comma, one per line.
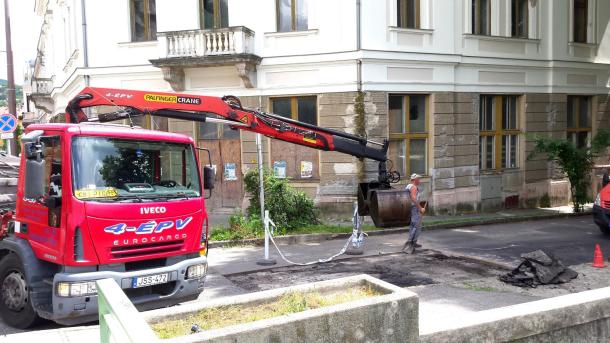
[515, 14]
[402, 14]
[217, 15]
[497, 132]
[148, 35]
[577, 128]
[294, 107]
[476, 18]
[586, 22]
[293, 16]
[407, 136]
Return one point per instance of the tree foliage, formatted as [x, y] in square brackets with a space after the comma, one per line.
[576, 163]
[289, 208]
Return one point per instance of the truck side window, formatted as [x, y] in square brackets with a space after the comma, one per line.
[52, 156]
[50, 171]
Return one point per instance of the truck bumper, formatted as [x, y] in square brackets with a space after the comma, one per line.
[600, 216]
[81, 309]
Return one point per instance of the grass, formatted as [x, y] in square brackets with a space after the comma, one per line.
[476, 288]
[294, 302]
[232, 234]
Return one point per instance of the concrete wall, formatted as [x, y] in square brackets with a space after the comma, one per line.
[578, 317]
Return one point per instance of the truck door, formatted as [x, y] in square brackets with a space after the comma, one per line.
[40, 221]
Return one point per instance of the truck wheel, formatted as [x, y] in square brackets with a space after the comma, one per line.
[604, 229]
[15, 306]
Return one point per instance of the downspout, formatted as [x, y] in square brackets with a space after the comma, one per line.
[358, 45]
[85, 43]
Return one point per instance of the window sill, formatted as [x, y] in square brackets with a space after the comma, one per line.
[311, 32]
[139, 44]
[501, 38]
[410, 30]
[498, 171]
[583, 45]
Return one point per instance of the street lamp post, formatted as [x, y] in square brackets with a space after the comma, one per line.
[10, 76]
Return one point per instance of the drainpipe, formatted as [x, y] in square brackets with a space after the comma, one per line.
[85, 43]
[358, 45]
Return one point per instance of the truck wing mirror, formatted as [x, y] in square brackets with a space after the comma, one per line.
[605, 179]
[209, 177]
[34, 178]
[33, 148]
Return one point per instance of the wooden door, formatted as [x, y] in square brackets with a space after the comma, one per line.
[225, 150]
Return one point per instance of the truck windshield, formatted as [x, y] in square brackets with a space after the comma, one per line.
[113, 169]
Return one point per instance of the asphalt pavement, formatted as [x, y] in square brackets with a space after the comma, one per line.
[572, 240]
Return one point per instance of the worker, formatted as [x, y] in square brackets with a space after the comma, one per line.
[417, 211]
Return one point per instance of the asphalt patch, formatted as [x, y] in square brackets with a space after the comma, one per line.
[423, 268]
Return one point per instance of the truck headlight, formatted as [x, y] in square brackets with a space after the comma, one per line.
[76, 289]
[598, 200]
[197, 271]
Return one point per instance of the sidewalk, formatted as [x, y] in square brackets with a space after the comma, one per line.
[430, 223]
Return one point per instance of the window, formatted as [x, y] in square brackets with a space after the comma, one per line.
[580, 21]
[303, 109]
[408, 133]
[143, 20]
[49, 169]
[579, 120]
[499, 131]
[520, 17]
[214, 14]
[291, 15]
[407, 14]
[295, 162]
[481, 12]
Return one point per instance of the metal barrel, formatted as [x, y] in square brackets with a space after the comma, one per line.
[390, 208]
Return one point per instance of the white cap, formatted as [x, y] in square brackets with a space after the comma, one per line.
[415, 176]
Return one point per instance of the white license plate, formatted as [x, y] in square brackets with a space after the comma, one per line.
[144, 281]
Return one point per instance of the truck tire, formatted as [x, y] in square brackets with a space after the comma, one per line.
[15, 306]
[604, 229]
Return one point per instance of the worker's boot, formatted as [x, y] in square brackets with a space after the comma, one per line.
[409, 248]
[417, 245]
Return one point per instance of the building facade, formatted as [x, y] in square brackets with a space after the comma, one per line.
[459, 87]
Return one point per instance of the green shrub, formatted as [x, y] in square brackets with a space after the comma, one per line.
[288, 208]
[576, 163]
[239, 228]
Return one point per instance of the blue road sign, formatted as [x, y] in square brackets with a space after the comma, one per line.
[8, 123]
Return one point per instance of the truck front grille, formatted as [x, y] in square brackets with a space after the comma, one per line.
[146, 249]
[606, 204]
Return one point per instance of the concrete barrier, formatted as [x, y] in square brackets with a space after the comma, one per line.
[390, 317]
[578, 317]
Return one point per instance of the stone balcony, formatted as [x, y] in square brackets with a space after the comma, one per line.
[41, 94]
[232, 46]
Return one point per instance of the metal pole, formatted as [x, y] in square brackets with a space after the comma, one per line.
[267, 260]
[10, 76]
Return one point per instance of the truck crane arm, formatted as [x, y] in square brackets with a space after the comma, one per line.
[375, 198]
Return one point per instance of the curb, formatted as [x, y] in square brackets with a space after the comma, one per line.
[320, 237]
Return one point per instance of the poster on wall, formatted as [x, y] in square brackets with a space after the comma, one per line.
[306, 169]
[279, 169]
[230, 172]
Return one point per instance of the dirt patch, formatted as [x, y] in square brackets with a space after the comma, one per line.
[424, 268]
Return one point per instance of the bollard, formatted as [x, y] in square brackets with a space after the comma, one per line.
[267, 260]
[357, 245]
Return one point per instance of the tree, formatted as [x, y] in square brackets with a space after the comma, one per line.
[576, 163]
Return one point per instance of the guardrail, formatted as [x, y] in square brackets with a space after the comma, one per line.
[120, 321]
[200, 43]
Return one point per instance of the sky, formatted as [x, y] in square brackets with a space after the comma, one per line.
[25, 29]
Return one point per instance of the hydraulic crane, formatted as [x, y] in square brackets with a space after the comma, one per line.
[388, 207]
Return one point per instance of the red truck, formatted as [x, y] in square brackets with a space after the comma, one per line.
[601, 206]
[99, 200]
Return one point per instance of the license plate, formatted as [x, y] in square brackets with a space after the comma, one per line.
[144, 281]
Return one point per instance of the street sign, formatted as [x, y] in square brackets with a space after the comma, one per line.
[8, 123]
[7, 135]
